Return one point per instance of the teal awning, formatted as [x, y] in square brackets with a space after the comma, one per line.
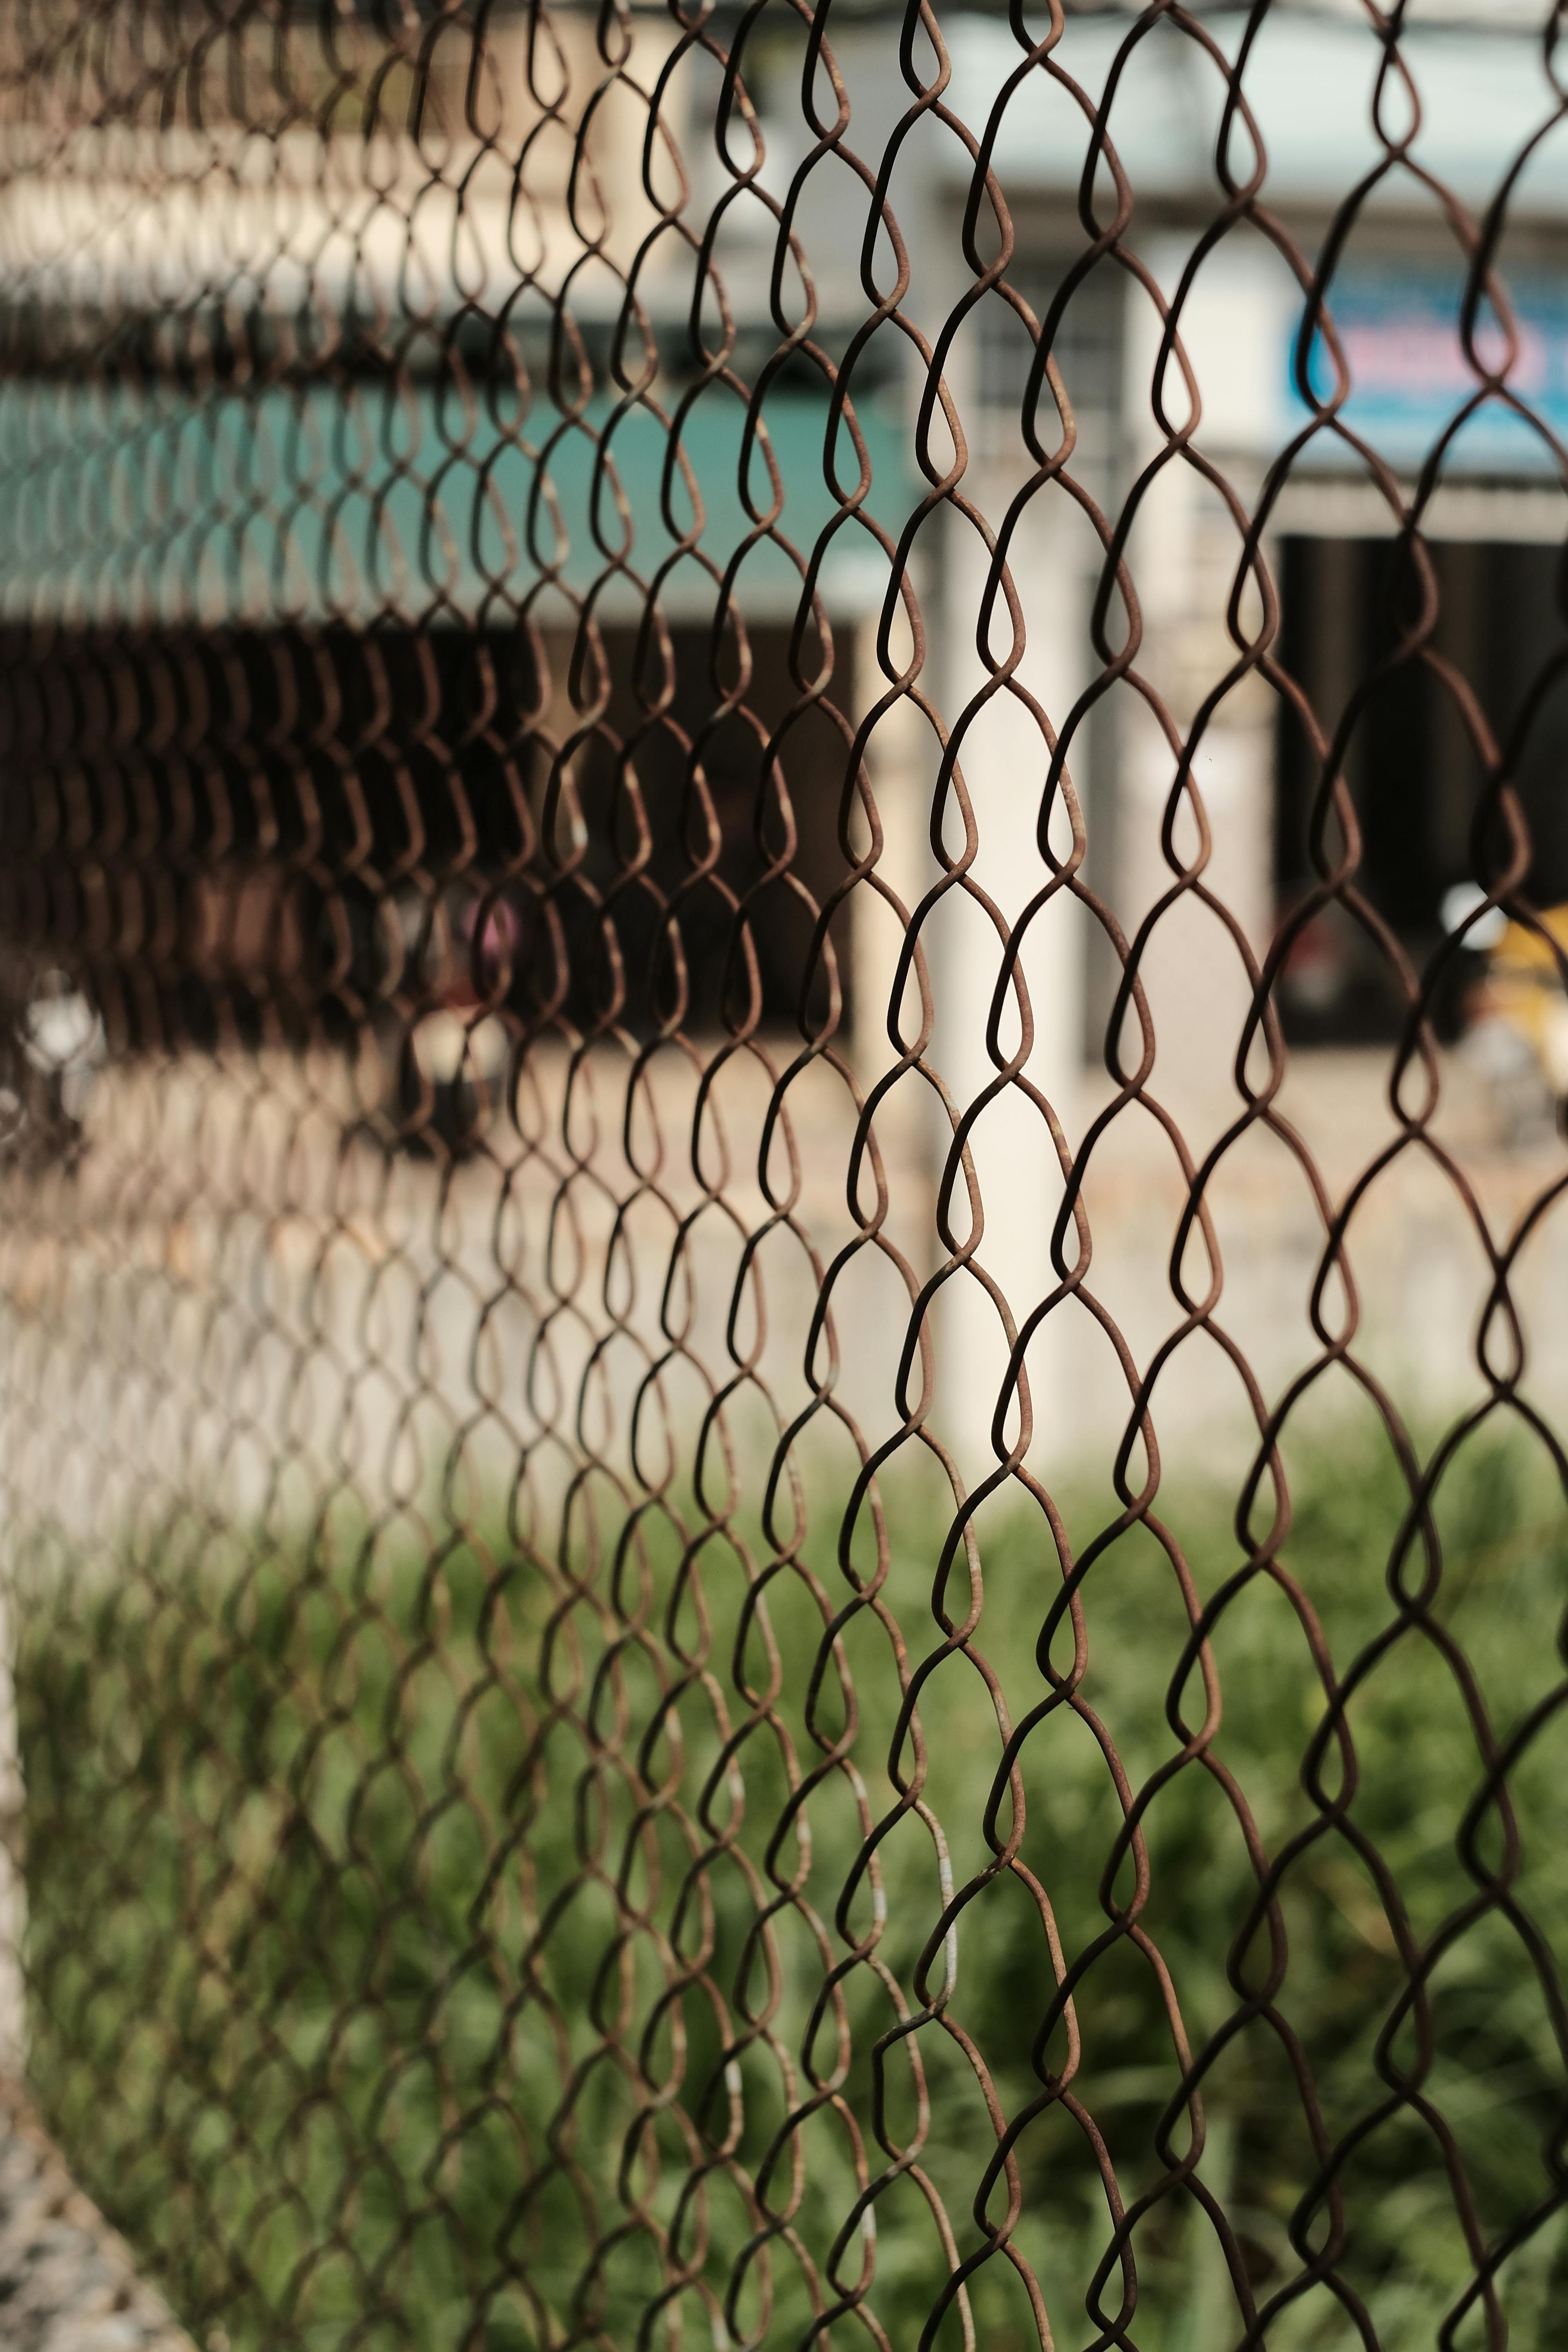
[257, 507]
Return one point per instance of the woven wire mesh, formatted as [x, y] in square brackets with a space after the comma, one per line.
[599, 1757]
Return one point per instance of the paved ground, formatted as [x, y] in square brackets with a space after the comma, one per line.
[66, 2280]
[233, 1298]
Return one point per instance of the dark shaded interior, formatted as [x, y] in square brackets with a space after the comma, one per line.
[1415, 774]
[241, 835]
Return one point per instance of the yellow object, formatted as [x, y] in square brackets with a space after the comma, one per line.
[1524, 950]
[1524, 988]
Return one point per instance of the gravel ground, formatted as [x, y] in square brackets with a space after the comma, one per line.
[66, 2281]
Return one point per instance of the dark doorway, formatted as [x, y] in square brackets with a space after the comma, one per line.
[1414, 772]
[663, 823]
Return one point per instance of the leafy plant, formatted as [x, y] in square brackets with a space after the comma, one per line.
[410, 1922]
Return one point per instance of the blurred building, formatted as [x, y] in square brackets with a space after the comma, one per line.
[339, 393]
[1496, 517]
[387, 352]
[333, 408]
[1354, 152]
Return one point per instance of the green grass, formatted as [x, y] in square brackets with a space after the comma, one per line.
[394, 1896]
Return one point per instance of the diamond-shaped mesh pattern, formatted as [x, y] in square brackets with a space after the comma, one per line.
[714, 1640]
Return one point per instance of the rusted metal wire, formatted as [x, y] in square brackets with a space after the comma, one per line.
[550, 1664]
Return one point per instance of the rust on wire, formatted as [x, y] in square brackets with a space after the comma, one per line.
[622, 1731]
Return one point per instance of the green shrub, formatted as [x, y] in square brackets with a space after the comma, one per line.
[393, 1936]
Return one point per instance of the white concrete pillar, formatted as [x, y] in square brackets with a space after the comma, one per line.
[1006, 761]
[1184, 553]
[899, 763]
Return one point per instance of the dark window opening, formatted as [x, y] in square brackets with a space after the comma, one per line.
[1414, 775]
[318, 831]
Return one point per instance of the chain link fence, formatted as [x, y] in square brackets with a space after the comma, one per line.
[781, 1302]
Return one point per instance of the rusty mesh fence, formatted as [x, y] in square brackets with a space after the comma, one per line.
[642, 1067]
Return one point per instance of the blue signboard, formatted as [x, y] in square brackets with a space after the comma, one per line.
[1399, 329]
